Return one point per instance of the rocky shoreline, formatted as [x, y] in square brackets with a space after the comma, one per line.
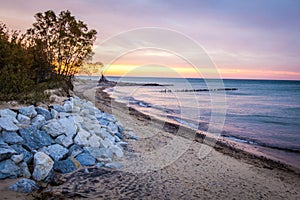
[37, 142]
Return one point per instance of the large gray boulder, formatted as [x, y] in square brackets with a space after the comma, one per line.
[86, 159]
[11, 137]
[74, 150]
[68, 124]
[100, 153]
[64, 166]
[53, 128]
[25, 170]
[58, 108]
[44, 112]
[64, 140]
[8, 169]
[8, 112]
[28, 111]
[24, 185]
[17, 158]
[7, 124]
[6, 151]
[54, 114]
[81, 138]
[56, 151]
[39, 121]
[43, 164]
[34, 138]
[104, 133]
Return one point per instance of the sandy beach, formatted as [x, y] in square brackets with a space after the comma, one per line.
[154, 170]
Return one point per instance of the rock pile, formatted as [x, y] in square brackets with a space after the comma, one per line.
[35, 142]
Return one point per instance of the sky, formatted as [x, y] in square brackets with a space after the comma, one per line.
[215, 38]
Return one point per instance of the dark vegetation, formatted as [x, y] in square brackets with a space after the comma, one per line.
[45, 57]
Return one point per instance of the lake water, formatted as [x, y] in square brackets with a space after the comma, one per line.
[264, 113]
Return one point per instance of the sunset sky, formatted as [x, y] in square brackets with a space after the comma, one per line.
[257, 39]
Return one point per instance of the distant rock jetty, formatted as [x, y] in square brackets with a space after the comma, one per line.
[36, 142]
[201, 90]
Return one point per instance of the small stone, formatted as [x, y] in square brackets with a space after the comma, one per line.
[42, 166]
[64, 166]
[6, 151]
[99, 164]
[54, 114]
[119, 135]
[17, 158]
[103, 122]
[8, 169]
[23, 119]
[8, 125]
[28, 111]
[24, 185]
[117, 139]
[44, 112]
[113, 127]
[115, 165]
[56, 151]
[86, 159]
[11, 137]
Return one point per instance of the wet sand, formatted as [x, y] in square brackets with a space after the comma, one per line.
[167, 164]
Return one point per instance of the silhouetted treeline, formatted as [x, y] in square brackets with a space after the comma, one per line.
[44, 57]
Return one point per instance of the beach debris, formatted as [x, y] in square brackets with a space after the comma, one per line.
[24, 185]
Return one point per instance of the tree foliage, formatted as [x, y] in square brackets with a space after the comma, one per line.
[67, 41]
[46, 56]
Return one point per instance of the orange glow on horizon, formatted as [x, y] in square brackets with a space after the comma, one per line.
[190, 72]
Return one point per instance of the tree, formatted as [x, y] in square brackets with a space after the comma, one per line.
[66, 42]
[91, 68]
